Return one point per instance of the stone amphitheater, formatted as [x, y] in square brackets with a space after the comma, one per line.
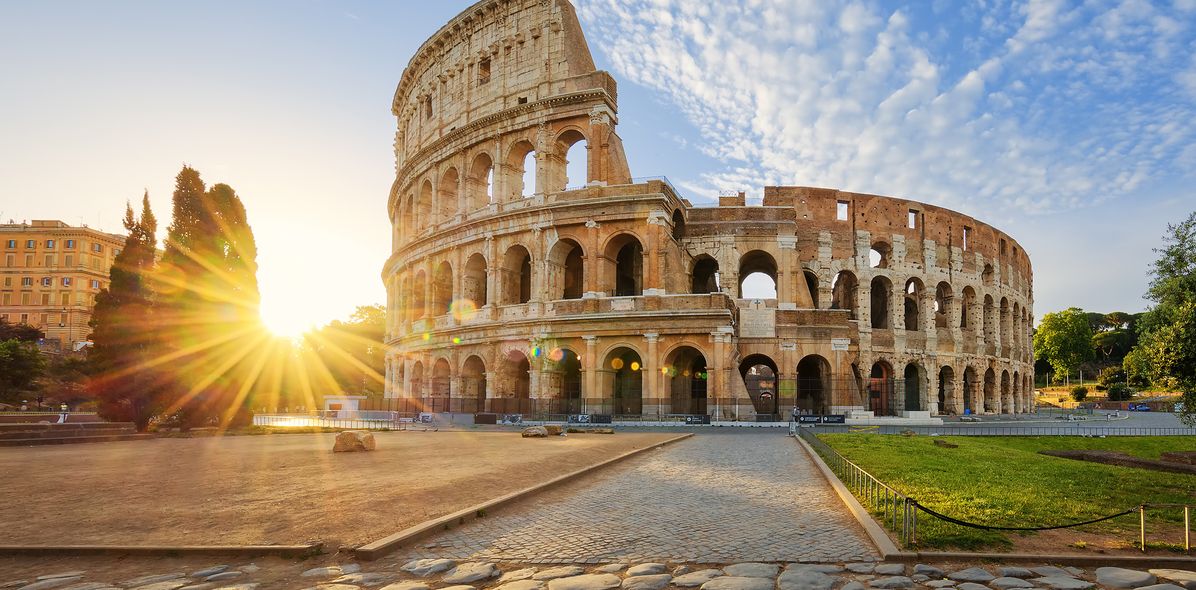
[530, 272]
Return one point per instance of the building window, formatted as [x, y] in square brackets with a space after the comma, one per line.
[30, 244]
[116, 251]
[913, 218]
[70, 259]
[28, 260]
[70, 244]
[967, 235]
[47, 281]
[9, 260]
[45, 299]
[97, 248]
[12, 243]
[95, 284]
[26, 281]
[428, 108]
[66, 281]
[65, 299]
[841, 211]
[24, 318]
[49, 243]
[49, 260]
[483, 72]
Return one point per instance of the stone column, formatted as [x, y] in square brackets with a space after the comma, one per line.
[589, 369]
[787, 275]
[930, 398]
[715, 386]
[651, 375]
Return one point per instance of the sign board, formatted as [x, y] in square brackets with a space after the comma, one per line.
[485, 418]
[626, 304]
[425, 418]
[589, 419]
[512, 419]
[840, 343]
[809, 419]
[703, 419]
[834, 419]
[757, 322]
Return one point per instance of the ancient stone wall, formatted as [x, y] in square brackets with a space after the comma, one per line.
[619, 295]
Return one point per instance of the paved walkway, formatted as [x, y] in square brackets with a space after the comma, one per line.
[714, 498]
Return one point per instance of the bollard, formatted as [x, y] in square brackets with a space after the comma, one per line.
[1187, 531]
[1142, 526]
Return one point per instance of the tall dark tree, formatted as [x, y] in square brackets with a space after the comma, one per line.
[209, 303]
[22, 332]
[122, 361]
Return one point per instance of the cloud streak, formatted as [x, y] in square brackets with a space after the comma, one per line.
[1038, 106]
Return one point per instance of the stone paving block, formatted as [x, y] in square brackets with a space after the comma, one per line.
[752, 570]
[585, 582]
[559, 572]
[1119, 577]
[651, 582]
[738, 583]
[1184, 578]
[696, 578]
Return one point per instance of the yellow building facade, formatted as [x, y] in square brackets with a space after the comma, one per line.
[50, 274]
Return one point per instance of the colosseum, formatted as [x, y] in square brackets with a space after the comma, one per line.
[515, 288]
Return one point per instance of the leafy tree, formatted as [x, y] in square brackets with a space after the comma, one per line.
[1078, 393]
[1064, 339]
[1097, 322]
[352, 351]
[1119, 320]
[22, 332]
[21, 365]
[124, 378]
[1137, 367]
[1119, 392]
[1167, 343]
[1111, 375]
[209, 304]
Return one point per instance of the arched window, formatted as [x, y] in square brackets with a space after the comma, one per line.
[563, 373]
[521, 162]
[845, 292]
[705, 275]
[813, 384]
[573, 147]
[913, 387]
[685, 369]
[418, 297]
[473, 282]
[992, 404]
[442, 289]
[990, 320]
[881, 388]
[423, 215]
[678, 225]
[759, 374]
[565, 266]
[811, 284]
[473, 381]
[441, 378]
[514, 384]
[947, 390]
[913, 304]
[516, 276]
[882, 291]
[757, 276]
[942, 305]
[481, 182]
[417, 379]
[446, 196]
[624, 367]
[625, 266]
[967, 309]
[878, 256]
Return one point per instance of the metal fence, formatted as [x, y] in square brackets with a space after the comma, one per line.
[1073, 429]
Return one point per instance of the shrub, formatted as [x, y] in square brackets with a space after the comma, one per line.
[1079, 392]
[1110, 375]
[1119, 392]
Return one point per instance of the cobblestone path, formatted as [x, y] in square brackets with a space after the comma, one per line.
[714, 498]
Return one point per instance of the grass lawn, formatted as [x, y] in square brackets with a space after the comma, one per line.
[1003, 481]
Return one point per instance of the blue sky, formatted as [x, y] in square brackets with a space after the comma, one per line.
[1071, 125]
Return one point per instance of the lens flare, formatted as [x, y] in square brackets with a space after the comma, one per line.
[635, 366]
[616, 363]
[456, 340]
[463, 310]
[427, 336]
[557, 355]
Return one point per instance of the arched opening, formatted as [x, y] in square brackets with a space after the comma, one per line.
[813, 384]
[565, 268]
[991, 403]
[442, 289]
[970, 404]
[1018, 406]
[481, 182]
[441, 377]
[418, 297]
[757, 276]
[446, 197]
[881, 388]
[913, 304]
[514, 384]
[678, 225]
[565, 370]
[685, 369]
[473, 381]
[878, 255]
[844, 293]
[625, 266]
[473, 283]
[967, 308]
[1006, 393]
[913, 387]
[759, 374]
[417, 379]
[624, 370]
[942, 305]
[521, 162]
[987, 275]
[946, 390]
[516, 276]
[575, 149]
[423, 216]
[882, 290]
[1003, 325]
[811, 286]
[705, 275]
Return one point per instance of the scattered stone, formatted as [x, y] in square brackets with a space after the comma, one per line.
[553, 429]
[1162, 587]
[222, 576]
[458, 587]
[1119, 577]
[804, 579]
[364, 578]
[1062, 583]
[1073, 570]
[167, 585]
[822, 568]
[209, 571]
[694, 578]
[853, 586]
[559, 572]
[407, 585]
[250, 568]
[426, 567]
[972, 574]
[1005, 582]
[513, 576]
[13, 584]
[920, 578]
[866, 577]
[585, 582]
[928, 570]
[651, 582]
[940, 583]
[1050, 571]
[681, 570]
[350, 441]
[143, 580]
[892, 582]
[738, 583]
[889, 569]
[752, 570]
[611, 568]
[88, 586]
[861, 568]
[535, 431]
[1184, 578]
[74, 574]
[471, 572]
[971, 586]
[646, 569]
[1014, 572]
[522, 585]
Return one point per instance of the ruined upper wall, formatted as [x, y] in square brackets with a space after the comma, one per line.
[494, 56]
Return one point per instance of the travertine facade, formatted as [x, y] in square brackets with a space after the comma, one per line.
[621, 297]
[51, 275]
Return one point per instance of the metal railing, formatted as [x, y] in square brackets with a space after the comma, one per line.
[895, 509]
[1072, 429]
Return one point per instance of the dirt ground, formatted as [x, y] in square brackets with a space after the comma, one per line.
[275, 489]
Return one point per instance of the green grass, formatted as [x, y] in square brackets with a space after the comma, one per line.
[1003, 481]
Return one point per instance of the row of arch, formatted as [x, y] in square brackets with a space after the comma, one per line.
[523, 171]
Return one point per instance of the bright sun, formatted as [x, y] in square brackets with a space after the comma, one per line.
[285, 323]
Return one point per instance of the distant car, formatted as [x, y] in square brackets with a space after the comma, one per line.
[1140, 407]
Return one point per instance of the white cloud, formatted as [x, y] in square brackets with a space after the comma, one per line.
[1063, 109]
